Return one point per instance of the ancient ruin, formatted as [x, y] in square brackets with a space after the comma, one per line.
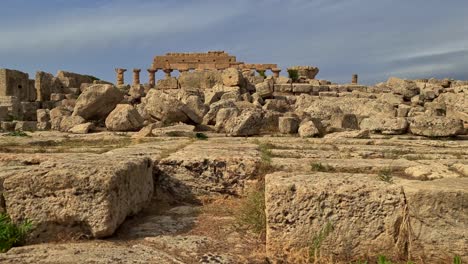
[222, 161]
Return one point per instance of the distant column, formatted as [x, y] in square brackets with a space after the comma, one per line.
[355, 79]
[168, 73]
[136, 76]
[152, 77]
[276, 72]
[120, 75]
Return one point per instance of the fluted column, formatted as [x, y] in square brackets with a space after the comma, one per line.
[120, 76]
[355, 79]
[136, 76]
[152, 77]
[276, 72]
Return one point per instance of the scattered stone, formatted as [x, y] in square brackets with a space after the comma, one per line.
[308, 129]
[436, 126]
[82, 128]
[96, 102]
[181, 130]
[99, 192]
[386, 126]
[124, 118]
[288, 125]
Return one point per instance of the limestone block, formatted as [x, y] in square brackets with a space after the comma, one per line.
[26, 126]
[435, 126]
[302, 88]
[124, 118]
[283, 88]
[97, 101]
[83, 193]
[288, 125]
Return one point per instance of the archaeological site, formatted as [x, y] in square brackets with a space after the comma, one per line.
[222, 161]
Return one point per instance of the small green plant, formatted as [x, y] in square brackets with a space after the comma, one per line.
[262, 73]
[12, 234]
[386, 175]
[317, 241]
[265, 152]
[457, 260]
[317, 166]
[251, 214]
[265, 167]
[293, 74]
[17, 134]
[201, 136]
[383, 260]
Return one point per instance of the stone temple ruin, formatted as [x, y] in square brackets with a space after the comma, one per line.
[366, 159]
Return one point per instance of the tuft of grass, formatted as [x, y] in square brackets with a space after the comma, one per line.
[17, 134]
[317, 166]
[293, 74]
[265, 167]
[261, 73]
[457, 260]
[317, 241]
[12, 234]
[383, 260]
[201, 136]
[251, 215]
[385, 175]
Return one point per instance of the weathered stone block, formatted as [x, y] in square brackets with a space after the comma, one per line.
[302, 88]
[92, 196]
[8, 125]
[288, 125]
[26, 126]
[283, 88]
[168, 83]
[28, 111]
[362, 220]
[57, 97]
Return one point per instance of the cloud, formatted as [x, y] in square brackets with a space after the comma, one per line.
[127, 21]
[372, 38]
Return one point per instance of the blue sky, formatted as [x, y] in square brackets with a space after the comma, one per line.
[374, 38]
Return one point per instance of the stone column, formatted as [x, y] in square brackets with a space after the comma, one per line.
[120, 75]
[168, 73]
[152, 77]
[136, 76]
[355, 79]
[276, 72]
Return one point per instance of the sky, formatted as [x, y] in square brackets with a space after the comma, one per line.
[373, 38]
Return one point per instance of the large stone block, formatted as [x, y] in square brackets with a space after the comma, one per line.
[84, 193]
[302, 88]
[124, 118]
[26, 126]
[388, 126]
[28, 111]
[363, 212]
[435, 126]
[45, 84]
[97, 101]
[217, 166]
[365, 216]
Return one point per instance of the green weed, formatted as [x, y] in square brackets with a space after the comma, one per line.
[12, 234]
